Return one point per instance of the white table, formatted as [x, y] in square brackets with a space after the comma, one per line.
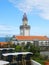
[7, 48]
[2, 62]
[17, 53]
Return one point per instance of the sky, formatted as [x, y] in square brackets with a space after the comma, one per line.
[11, 14]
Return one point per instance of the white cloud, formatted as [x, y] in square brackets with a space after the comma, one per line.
[43, 5]
[8, 30]
[29, 5]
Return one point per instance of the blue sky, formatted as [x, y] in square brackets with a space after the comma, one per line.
[11, 13]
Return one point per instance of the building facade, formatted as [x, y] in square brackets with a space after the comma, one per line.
[25, 37]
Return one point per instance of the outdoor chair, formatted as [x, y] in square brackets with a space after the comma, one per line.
[13, 64]
[19, 59]
[4, 51]
[10, 50]
[0, 54]
[10, 58]
[28, 59]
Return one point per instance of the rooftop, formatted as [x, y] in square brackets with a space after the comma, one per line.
[32, 38]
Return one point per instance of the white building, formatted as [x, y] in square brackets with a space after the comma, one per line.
[25, 35]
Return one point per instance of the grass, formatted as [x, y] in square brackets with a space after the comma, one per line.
[39, 60]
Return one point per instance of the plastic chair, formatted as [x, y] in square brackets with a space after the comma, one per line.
[19, 59]
[9, 58]
[28, 59]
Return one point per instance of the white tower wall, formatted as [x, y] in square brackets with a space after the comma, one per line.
[26, 32]
[25, 28]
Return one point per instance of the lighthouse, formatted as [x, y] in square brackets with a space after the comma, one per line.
[25, 28]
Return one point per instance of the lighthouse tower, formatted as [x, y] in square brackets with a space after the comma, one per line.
[25, 28]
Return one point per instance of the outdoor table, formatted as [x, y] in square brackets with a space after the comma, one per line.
[17, 53]
[2, 62]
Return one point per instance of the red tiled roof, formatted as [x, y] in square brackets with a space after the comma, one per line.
[32, 38]
[3, 43]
